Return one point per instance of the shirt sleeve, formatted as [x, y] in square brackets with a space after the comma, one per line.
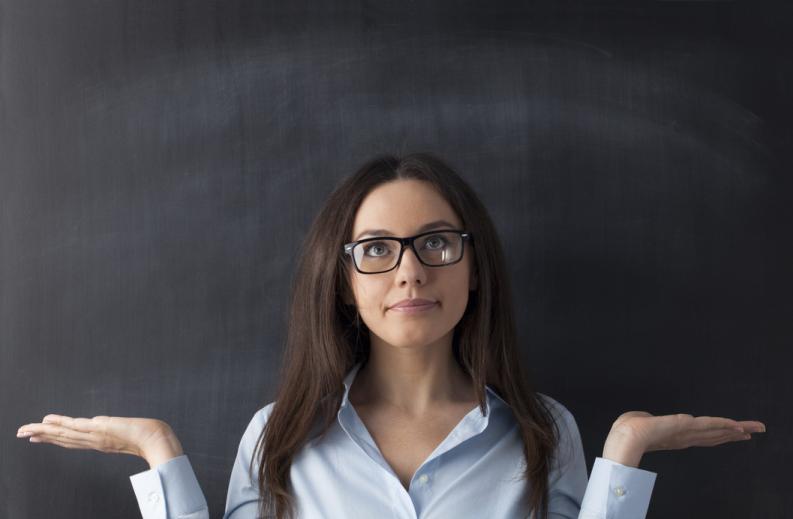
[617, 491]
[613, 491]
[242, 500]
[170, 491]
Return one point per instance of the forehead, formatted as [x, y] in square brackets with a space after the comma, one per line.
[401, 206]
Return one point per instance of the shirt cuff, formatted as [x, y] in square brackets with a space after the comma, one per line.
[169, 490]
[617, 491]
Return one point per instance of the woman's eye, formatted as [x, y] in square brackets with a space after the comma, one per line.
[435, 242]
[378, 248]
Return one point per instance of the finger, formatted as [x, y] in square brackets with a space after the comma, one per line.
[50, 438]
[77, 424]
[714, 423]
[61, 442]
[57, 431]
[700, 438]
[716, 432]
[37, 428]
[54, 418]
[752, 426]
[685, 422]
[724, 438]
[96, 424]
[713, 437]
[80, 441]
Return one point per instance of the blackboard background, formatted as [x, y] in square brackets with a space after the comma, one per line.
[160, 163]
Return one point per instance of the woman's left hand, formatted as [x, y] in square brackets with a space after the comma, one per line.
[637, 432]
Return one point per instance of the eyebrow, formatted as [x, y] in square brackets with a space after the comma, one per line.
[385, 232]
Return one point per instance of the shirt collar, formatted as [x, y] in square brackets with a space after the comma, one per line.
[471, 425]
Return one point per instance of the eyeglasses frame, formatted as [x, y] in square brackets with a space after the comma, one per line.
[409, 241]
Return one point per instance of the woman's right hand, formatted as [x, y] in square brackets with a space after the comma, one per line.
[148, 438]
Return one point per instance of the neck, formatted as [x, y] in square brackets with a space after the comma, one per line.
[414, 381]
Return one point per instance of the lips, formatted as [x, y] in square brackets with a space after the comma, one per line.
[406, 303]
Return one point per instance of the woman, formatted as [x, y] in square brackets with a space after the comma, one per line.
[402, 393]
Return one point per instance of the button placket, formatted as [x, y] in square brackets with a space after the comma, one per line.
[423, 480]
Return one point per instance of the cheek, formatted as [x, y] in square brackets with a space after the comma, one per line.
[370, 294]
[456, 296]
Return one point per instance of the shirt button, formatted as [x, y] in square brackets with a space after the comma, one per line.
[423, 479]
[620, 490]
[154, 497]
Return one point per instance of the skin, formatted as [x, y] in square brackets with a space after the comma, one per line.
[147, 438]
[411, 371]
[411, 368]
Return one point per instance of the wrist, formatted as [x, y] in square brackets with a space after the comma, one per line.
[622, 448]
[165, 448]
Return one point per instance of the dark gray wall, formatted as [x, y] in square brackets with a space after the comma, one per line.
[160, 163]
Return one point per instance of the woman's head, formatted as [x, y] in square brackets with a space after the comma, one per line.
[336, 311]
[407, 207]
[400, 195]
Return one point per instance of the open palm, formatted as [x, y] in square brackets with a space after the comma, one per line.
[680, 431]
[109, 434]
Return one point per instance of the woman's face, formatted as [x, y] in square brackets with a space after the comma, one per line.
[403, 207]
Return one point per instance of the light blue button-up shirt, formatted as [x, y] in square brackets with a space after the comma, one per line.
[475, 472]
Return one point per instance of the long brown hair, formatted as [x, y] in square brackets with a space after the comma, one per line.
[326, 338]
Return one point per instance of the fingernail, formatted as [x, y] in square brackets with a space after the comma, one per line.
[23, 434]
[33, 439]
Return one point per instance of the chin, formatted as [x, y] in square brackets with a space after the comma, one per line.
[418, 337]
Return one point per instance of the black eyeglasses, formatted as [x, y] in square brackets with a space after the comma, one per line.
[435, 249]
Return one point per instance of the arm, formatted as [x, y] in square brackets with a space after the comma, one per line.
[617, 491]
[170, 490]
[613, 491]
[242, 499]
[617, 488]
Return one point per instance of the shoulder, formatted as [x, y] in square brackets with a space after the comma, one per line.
[248, 449]
[559, 412]
[256, 424]
[569, 439]
[262, 415]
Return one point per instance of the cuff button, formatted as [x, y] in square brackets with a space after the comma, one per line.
[154, 497]
[620, 490]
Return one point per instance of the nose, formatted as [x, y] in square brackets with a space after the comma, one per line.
[413, 257]
[410, 268]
